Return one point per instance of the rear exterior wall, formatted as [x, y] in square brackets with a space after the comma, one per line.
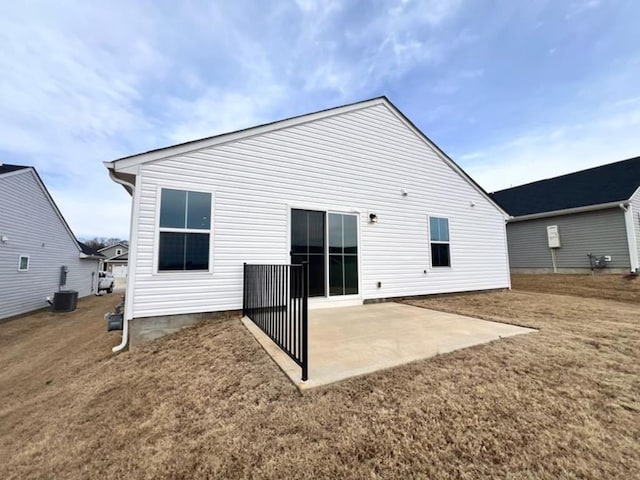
[353, 162]
[600, 232]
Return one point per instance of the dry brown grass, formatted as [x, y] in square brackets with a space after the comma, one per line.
[208, 402]
[622, 288]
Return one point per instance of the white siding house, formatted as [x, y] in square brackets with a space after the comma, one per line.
[35, 242]
[340, 167]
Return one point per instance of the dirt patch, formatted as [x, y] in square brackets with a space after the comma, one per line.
[209, 403]
[623, 288]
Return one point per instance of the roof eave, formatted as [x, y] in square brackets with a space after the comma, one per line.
[569, 211]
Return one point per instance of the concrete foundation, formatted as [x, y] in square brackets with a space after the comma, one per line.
[574, 271]
[145, 329]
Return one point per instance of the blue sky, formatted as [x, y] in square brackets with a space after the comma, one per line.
[513, 91]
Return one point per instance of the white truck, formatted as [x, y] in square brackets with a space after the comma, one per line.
[105, 282]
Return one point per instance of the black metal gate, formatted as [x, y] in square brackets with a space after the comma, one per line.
[276, 299]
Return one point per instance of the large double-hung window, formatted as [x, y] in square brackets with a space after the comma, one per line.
[185, 230]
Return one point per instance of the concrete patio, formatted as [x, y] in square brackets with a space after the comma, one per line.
[350, 341]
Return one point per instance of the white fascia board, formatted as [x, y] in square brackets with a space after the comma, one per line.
[127, 164]
[569, 211]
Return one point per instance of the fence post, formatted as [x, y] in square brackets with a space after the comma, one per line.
[244, 289]
[305, 321]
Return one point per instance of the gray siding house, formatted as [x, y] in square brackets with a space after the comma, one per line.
[35, 242]
[116, 259]
[580, 222]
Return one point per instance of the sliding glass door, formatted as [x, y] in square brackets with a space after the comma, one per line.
[329, 242]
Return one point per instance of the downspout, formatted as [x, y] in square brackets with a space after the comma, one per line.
[631, 236]
[506, 250]
[125, 321]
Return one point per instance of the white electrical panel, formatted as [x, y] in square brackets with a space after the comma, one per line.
[553, 236]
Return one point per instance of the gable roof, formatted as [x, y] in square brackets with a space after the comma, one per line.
[128, 164]
[615, 182]
[114, 245]
[6, 168]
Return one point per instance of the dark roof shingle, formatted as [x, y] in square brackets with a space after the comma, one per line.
[6, 168]
[87, 250]
[614, 182]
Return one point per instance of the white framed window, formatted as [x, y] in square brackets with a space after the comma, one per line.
[184, 230]
[439, 240]
[118, 251]
[23, 263]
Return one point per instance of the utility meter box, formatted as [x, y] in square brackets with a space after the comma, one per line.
[553, 236]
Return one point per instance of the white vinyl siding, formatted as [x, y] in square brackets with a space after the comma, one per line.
[34, 229]
[635, 207]
[356, 162]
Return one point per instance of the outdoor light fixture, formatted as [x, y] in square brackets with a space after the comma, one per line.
[373, 218]
[4, 238]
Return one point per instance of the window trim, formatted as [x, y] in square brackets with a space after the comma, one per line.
[158, 229]
[20, 257]
[118, 251]
[439, 242]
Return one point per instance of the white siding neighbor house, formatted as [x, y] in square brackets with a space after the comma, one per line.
[357, 191]
[35, 243]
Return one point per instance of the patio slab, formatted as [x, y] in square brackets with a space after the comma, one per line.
[350, 341]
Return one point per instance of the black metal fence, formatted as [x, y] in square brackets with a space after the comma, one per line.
[276, 299]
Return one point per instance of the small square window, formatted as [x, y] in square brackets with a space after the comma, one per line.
[23, 263]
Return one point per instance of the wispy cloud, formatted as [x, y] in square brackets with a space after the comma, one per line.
[609, 135]
[68, 88]
[500, 89]
[577, 8]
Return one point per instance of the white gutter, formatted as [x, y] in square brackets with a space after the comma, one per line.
[631, 236]
[125, 320]
[568, 211]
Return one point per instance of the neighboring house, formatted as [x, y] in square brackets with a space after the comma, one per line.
[375, 207]
[35, 243]
[117, 258]
[594, 211]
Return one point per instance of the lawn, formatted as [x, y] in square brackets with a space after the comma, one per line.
[209, 403]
